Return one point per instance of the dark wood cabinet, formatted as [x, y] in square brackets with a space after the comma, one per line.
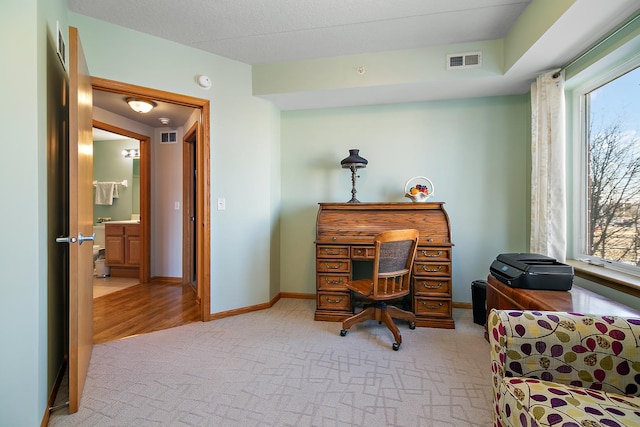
[577, 300]
[344, 237]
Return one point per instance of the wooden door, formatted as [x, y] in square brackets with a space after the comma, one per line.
[80, 220]
[189, 191]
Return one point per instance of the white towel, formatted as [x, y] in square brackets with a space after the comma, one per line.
[104, 193]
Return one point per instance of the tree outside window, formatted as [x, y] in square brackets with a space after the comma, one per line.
[614, 170]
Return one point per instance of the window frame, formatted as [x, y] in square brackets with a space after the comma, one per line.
[577, 91]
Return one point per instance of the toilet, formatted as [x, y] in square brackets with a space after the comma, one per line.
[98, 252]
[98, 231]
[100, 269]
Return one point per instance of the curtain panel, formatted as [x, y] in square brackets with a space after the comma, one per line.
[548, 178]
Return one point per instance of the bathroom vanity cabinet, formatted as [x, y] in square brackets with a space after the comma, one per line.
[122, 249]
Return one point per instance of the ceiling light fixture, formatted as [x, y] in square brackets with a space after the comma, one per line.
[140, 105]
[131, 153]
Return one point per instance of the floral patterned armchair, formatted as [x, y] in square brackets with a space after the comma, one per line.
[564, 369]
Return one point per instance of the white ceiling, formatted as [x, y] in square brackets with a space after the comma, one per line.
[274, 31]
[269, 31]
[115, 103]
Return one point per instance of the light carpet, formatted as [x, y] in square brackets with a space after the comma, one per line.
[279, 367]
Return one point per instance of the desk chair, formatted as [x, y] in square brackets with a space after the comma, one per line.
[394, 254]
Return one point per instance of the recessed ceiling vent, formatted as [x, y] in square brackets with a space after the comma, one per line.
[457, 61]
[168, 137]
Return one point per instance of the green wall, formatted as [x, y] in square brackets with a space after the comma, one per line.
[22, 276]
[244, 146]
[109, 165]
[272, 167]
[26, 39]
[476, 152]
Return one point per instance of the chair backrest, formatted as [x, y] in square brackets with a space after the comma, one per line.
[395, 252]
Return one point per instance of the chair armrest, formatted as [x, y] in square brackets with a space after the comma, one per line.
[592, 351]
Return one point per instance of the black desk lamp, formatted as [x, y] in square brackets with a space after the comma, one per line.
[353, 162]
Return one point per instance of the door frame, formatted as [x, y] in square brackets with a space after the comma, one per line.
[145, 188]
[189, 145]
[203, 160]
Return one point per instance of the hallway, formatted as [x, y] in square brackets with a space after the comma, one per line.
[143, 308]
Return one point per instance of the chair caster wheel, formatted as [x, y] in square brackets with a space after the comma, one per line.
[412, 325]
[395, 346]
[343, 332]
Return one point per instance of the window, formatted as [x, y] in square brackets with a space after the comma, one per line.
[610, 171]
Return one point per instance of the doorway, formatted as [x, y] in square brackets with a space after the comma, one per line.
[201, 185]
[143, 196]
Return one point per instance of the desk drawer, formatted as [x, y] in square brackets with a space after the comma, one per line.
[433, 254]
[333, 266]
[432, 268]
[332, 282]
[437, 287]
[333, 301]
[432, 307]
[330, 251]
[363, 252]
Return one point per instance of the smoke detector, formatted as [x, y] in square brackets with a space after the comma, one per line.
[164, 120]
[203, 81]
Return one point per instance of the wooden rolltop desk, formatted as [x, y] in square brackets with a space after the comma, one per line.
[344, 233]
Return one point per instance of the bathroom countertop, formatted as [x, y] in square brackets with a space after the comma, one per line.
[126, 221]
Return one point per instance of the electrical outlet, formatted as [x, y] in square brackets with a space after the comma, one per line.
[222, 203]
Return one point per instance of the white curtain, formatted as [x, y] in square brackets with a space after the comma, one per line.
[548, 185]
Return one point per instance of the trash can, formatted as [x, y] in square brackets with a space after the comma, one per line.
[101, 269]
[479, 298]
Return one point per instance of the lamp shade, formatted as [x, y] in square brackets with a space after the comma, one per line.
[354, 160]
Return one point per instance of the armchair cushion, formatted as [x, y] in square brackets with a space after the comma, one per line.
[551, 366]
[530, 402]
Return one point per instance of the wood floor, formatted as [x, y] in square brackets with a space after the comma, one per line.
[143, 308]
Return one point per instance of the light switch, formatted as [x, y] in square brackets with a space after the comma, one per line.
[177, 206]
[222, 203]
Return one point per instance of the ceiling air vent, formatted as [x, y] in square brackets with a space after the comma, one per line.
[168, 137]
[457, 61]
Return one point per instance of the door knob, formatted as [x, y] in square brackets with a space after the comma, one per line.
[80, 239]
[66, 239]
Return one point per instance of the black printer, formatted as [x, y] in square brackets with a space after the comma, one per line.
[532, 271]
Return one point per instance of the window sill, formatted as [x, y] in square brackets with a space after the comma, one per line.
[613, 279]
